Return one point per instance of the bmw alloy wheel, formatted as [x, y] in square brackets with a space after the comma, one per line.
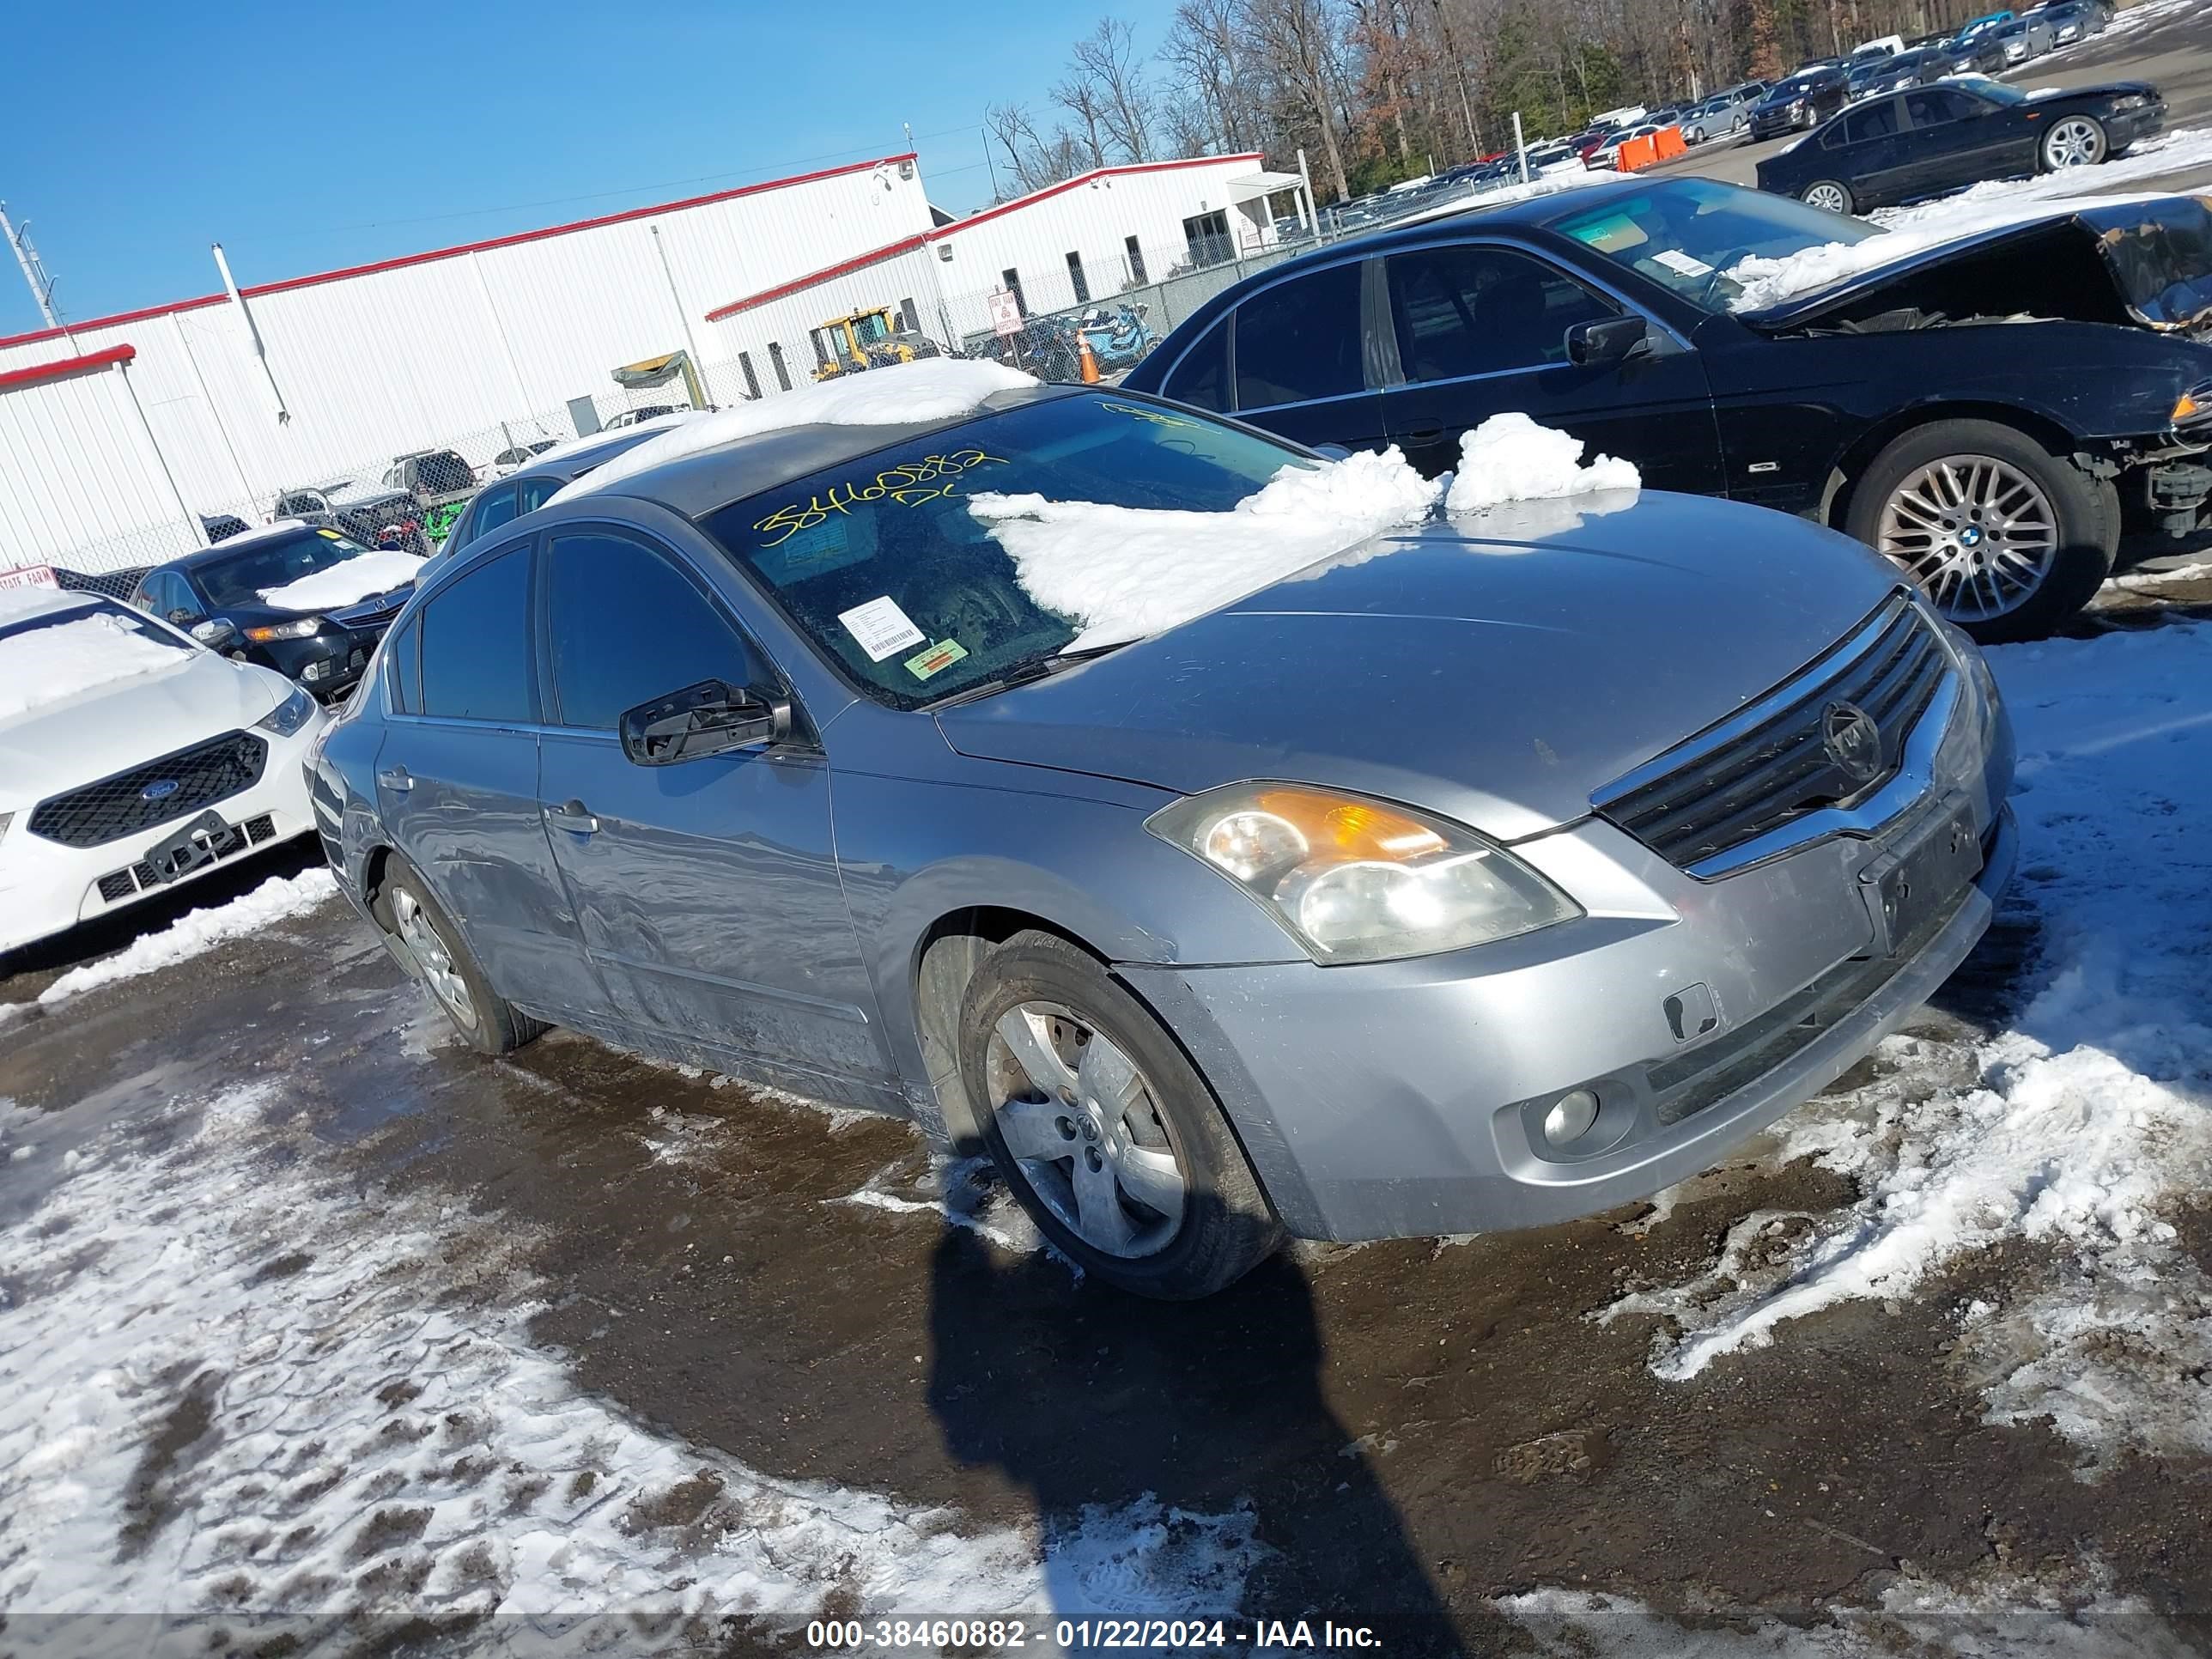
[1081, 1123]
[1829, 196]
[432, 955]
[2076, 142]
[1976, 534]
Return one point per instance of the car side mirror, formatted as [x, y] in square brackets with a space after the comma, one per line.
[1606, 341]
[217, 633]
[710, 718]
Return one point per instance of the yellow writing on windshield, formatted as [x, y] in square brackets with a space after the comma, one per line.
[910, 485]
[1156, 417]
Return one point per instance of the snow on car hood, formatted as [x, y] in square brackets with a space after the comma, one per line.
[376, 570]
[1497, 667]
[125, 722]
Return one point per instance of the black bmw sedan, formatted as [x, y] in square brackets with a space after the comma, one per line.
[1930, 139]
[1996, 465]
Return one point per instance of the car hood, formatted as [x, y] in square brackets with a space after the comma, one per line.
[2146, 262]
[1498, 667]
[123, 723]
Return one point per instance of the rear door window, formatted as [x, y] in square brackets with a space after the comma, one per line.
[1301, 340]
[476, 644]
[1871, 121]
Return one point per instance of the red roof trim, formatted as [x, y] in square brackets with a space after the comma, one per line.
[908, 244]
[404, 260]
[65, 368]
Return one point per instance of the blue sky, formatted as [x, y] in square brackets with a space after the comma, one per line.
[305, 136]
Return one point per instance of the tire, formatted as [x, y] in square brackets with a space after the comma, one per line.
[1832, 194]
[1152, 1127]
[2008, 539]
[2074, 141]
[488, 1022]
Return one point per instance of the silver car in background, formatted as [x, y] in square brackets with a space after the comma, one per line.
[1724, 114]
[1494, 871]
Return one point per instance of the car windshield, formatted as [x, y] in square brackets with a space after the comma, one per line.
[1688, 233]
[275, 561]
[879, 562]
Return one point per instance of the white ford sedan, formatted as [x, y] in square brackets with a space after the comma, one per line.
[131, 758]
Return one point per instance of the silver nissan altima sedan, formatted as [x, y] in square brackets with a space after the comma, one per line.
[1498, 870]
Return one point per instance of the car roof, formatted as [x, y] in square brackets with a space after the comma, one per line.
[21, 603]
[574, 457]
[706, 480]
[230, 545]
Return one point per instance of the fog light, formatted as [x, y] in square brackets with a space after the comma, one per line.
[1571, 1117]
[316, 670]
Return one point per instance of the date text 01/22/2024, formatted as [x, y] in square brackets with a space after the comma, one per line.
[1009, 1633]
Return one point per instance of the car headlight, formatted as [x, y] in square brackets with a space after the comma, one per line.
[289, 715]
[2132, 102]
[304, 629]
[1359, 880]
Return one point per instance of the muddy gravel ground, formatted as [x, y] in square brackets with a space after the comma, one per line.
[1414, 1433]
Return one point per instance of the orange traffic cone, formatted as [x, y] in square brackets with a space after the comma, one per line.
[1087, 358]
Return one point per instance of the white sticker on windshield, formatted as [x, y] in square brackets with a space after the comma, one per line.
[1681, 263]
[881, 628]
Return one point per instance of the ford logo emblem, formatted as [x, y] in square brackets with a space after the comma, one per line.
[162, 789]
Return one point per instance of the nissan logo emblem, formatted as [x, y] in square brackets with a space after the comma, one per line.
[1852, 739]
[160, 789]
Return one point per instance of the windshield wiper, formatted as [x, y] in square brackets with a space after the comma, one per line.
[1025, 672]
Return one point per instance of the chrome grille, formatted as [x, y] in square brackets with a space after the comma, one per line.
[1753, 777]
[127, 802]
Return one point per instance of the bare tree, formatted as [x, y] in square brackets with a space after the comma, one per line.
[1032, 161]
[1079, 98]
[1106, 59]
[1201, 52]
[1301, 40]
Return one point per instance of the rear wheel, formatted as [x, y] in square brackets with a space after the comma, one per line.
[2078, 141]
[489, 1022]
[1104, 1129]
[1828, 194]
[2008, 539]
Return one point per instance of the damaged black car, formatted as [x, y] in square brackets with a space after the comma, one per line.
[2002, 415]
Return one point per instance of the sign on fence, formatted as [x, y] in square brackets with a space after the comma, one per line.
[29, 576]
[1005, 312]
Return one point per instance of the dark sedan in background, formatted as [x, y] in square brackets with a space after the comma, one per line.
[1931, 139]
[1898, 71]
[1990, 414]
[1805, 99]
[218, 597]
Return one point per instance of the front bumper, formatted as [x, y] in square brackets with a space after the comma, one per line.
[327, 664]
[1404, 1099]
[46, 888]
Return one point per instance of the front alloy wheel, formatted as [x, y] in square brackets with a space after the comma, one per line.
[1828, 195]
[1978, 535]
[435, 958]
[1080, 1119]
[2076, 142]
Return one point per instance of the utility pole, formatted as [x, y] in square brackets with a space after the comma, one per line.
[34, 273]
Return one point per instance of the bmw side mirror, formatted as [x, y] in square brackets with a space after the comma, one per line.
[217, 633]
[1605, 342]
[710, 718]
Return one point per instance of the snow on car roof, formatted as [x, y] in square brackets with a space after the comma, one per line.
[76, 654]
[899, 394]
[17, 603]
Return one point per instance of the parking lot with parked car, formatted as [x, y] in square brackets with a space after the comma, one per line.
[1513, 950]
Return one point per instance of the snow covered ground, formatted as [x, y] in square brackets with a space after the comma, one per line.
[2078, 1130]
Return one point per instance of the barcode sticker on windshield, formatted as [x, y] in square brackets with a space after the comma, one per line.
[881, 628]
[1681, 263]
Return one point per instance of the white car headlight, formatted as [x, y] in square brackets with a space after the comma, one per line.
[1358, 880]
[289, 715]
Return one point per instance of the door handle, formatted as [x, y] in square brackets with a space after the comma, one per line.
[396, 778]
[572, 816]
[1427, 434]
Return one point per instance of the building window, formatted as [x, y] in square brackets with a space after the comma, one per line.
[1207, 234]
[913, 317]
[752, 380]
[776, 361]
[1136, 260]
[1010, 279]
[1076, 279]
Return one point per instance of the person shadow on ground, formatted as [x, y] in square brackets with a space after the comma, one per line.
[1098, 1402]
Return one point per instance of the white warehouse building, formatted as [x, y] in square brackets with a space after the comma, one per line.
[119, 435]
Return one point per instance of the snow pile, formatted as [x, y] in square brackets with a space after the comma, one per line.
[66, 660]
[234, 1382]
[2151, 11]
[1509, 458]
[196, 931]
[1125, 573]
[374, 570]
[932, 389]
[1990, 205]
[2080, 1127]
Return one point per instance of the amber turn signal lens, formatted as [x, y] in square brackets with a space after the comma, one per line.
[1355, 829]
